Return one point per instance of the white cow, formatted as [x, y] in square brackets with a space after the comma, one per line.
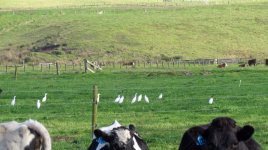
[30, 135]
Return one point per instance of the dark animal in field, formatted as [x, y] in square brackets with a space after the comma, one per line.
[252, 62]
[242, 65]
[221, 134]
[131, 63]
[117, 137]
[223, 65]
[28, 135]
[1, 91]
[266, 62]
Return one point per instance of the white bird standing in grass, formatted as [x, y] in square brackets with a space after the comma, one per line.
[240, 83]
[146, 99]
[139, 98]
[134, 99]
[100, 12]
[117, 99]
[98, 97]
[160, 96]
[121, 100]
[210, 101]
[38, 104]
[44, 98]
[13, 102]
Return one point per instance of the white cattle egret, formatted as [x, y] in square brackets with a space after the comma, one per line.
[98, 97]
[240, 83]
[146, 99]
[38, 104]
[210, 101]
[160, 96]
[121, 99]
[134, 99]
[139, 98]
[13, 101]
[117, 99]
[44, 98]
[100, 12]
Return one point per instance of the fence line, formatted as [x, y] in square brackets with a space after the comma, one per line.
[127, 64]
[153, 101]
[142, 89]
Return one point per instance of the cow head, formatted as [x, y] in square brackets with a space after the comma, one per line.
[223, 134]
[119, 138]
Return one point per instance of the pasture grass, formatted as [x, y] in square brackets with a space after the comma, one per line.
[39, 4]
[67, 112]
[135, 33]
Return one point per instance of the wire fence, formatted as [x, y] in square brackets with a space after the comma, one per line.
[81, 67]
[78, 110]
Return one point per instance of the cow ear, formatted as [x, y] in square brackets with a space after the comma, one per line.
[98, 133]
[132, 128]
[245, 133]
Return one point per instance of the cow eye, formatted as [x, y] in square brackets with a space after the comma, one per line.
[235, 145]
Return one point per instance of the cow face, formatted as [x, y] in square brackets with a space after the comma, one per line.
[223, 134]
[120, 138]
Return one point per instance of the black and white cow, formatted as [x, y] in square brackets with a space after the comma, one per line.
[117, 137]
[221, 134]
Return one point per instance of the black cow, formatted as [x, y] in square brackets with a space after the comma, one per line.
[223, 65]
[131, 63]
[221, 134]
[252, 62]
[119, 138]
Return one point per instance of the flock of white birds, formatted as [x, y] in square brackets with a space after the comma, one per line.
[120, 98]
[38, 103]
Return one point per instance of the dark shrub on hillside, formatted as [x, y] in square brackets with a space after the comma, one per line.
[177, 57]
[57, 52]
[164, 57]
[27, 59]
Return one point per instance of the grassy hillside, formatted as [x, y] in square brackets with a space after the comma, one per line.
[141, 33]
[67, 112]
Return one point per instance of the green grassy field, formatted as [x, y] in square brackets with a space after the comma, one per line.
[135, 32]
[37, 4]
[67, 112]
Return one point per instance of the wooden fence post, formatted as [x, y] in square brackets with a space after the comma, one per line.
[85, 63]
[16, 72]
[94, 108]
[57, 68]
[23, 66]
